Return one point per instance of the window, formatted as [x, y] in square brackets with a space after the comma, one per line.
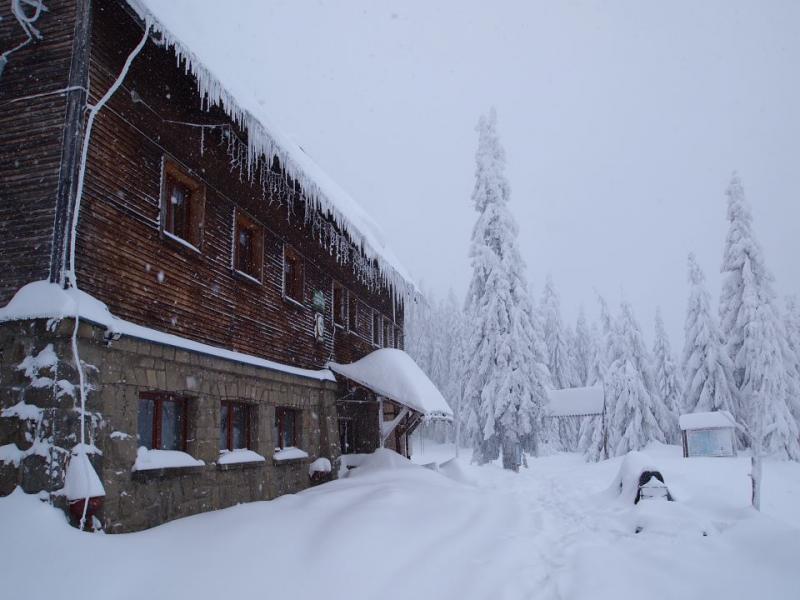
[376, 328]
[339, 305]
[183, 205]
[398, 338]
[162, 421]
[352, 314]
[248, 246]
[286, 431]
[387, 333]
[292, 274]
[234, 426]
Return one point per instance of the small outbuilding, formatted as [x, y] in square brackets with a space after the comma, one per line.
[708, 434]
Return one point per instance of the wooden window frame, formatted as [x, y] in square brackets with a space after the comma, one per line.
[229, 429]
[353, 311]
[387, 332]
[280, 419]
[376, 334]
[243, 221]
[173, 172]
[290, 254]
[158, 399]
[345, 305]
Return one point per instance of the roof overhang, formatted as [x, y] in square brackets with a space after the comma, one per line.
[393, 374]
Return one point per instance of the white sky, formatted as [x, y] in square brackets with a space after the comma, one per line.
[622, 122]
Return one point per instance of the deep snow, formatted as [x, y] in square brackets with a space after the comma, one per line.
[393, 529]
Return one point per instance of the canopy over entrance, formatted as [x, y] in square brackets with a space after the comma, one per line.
[393, 374]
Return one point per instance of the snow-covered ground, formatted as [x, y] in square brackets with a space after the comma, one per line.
[393, 529]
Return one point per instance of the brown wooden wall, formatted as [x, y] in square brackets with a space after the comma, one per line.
[32, 116]
[125, 260]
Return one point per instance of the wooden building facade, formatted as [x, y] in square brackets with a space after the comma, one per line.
[168, 218]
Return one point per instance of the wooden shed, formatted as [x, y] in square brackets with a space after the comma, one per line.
[708, 434]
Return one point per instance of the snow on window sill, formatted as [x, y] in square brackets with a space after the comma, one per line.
[290, 453]
[247, 276]
[239, 456]
[154, 460]
[292, 301]
[180, 240]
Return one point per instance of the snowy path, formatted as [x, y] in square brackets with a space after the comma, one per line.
[394, 530]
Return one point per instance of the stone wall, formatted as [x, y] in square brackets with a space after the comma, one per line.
[118, 370]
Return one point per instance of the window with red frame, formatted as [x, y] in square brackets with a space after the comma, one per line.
[234, 431]
[339, 305]
[162, 421]
[376, 328]
[387, 333]
[292, 274]
[352, 313]
[183, 204]
[287, 428]
[248, 247]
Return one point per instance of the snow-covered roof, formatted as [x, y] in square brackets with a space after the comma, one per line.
[575, 402]
[393, 374]
[45, 300]
[226, 79]
[707, 420]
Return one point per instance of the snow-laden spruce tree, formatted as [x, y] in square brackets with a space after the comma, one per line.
[638, 415]
[756, 341]
[668, 379]
[593, 436]
[562, 374]
[791, 325]
[561, 434]
[583, 352]
[707, 371]
[501, 381]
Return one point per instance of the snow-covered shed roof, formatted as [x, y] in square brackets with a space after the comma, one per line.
[226, 79]
[719, 419]
[393, 374]
[575, 402]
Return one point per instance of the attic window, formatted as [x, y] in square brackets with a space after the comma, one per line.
[293, 275]
[248, 246]
[182, 205]
[339, 305]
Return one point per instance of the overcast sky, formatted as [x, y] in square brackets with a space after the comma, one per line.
[622, 123]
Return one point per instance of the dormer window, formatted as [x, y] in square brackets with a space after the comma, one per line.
[182, 206]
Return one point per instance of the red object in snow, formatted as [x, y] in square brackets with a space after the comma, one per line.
[76, 511]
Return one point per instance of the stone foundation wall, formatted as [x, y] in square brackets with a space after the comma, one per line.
[118, 371]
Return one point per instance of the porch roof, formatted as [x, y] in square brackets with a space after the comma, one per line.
[393, 374]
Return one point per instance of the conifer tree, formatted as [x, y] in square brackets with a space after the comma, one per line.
[668, 379]
[583, 352]
[638, 414]
[500, 379]
[708, 377]
[756, 341]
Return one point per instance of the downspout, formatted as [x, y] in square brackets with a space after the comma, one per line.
[71, 276]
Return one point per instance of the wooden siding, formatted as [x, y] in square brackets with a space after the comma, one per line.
[147, 278]
[33, 106]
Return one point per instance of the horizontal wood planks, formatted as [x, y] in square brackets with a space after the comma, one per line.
[126, 261]
[32, 115]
